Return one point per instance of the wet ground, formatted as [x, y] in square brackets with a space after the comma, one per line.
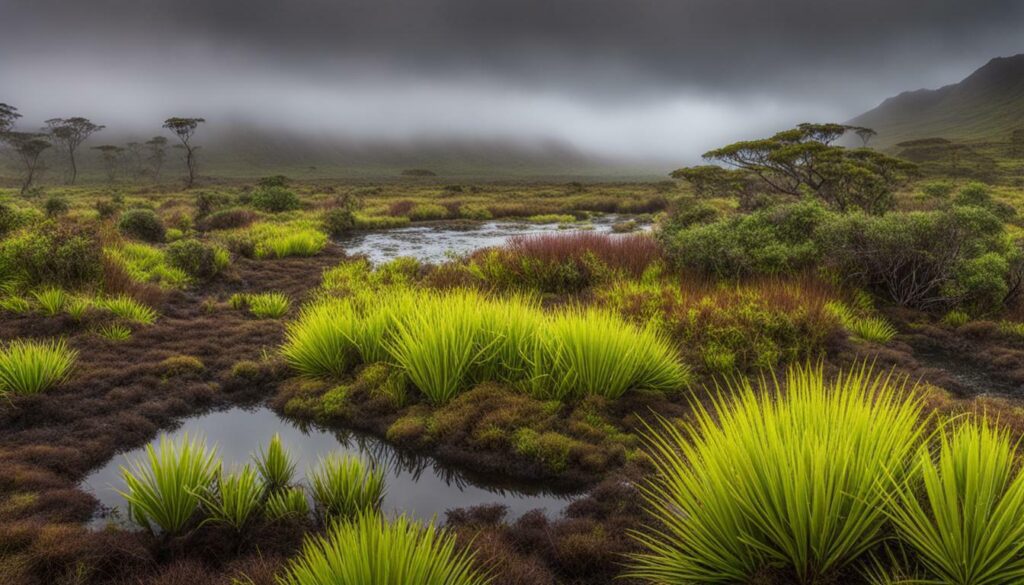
[416, 485]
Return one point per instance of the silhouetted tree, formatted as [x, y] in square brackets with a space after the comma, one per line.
[157, 153]
[133, 160]
[111, 156]
[8, 114]
[28, 147]
[71, 133]
[803, 159]
[185, 128]
[865, 134]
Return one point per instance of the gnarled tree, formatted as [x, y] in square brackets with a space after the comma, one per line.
[28, 147]
[111, 156]
[184, 129]
[71, 133]
[157, 146]
[804, 159]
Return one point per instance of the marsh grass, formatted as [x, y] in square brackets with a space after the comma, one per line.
[271, 305]
[146, 263]
[962, 512]
[286, 240]
[370, 550]
[164, 489]
[794, 480]
[874, 329]
[51, 300]
[114, 331]
[77, 307]
[235, 499]
[320, 342]
[344, 487]
[287, 503]
[275, 465]
[31, 367]
[15, 304]
[129, 309]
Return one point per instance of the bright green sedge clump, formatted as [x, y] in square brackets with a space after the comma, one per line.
[795, 480]
[271, 305]
[31, 367]
[445, 342]
[371, 551]
[344, 487]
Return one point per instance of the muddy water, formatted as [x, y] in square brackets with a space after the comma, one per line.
[418, 486]
[436, 243]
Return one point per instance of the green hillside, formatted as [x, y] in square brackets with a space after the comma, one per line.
[986, 106]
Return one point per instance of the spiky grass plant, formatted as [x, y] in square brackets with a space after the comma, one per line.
[164, 488]
[287, 503]
[344, 487]
[874, 329]
[114, 331]
[235, 498]
[31, 367]
[319, 342]
[963, 510]
[283, 242]
[588, 352]
[129, 309]
[793, 479]
[371, 551]
[437, 344]
[15, 304]
[275, 465]
[272, 305]
[51, 300]
[77, 307]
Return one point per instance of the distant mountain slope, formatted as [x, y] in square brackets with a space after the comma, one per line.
[987, 105]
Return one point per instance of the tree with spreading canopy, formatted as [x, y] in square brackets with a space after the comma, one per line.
[71, 133]
[184, 129]
[157, 146]
[805, 160]
[111, 156]
[8, 114]
[28, 147]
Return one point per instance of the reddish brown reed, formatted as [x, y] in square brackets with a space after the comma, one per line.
[631, 253]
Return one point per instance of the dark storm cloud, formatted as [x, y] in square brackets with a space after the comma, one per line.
[568, 64]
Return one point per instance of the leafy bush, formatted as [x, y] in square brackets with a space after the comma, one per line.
[164, 489]
[963, 510]
[275, 199]
[197, 259]
[55, 205]
[934, 260]
[371, 551]
[31, 367]
[794, 480]
[345, 487]
[339, 221]
[769, 241]
[142, 224]
[58, 254]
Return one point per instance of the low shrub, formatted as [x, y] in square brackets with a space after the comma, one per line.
[51, 253]
[55, 206]
[164, 488]
[339, 221]
[142, 224]
[232, 218]
[197, 259]
[794, 480]
[32, 367]
[370, 551]
[274, 199]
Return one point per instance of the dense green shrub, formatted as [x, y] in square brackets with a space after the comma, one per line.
[274, 199]
[224, 219]
[61, 254]
[107, 208]
[55, 206]
[197, 259]
[207, 202]
[770, 241]
[339, 221]
[11, 218]
[142, 224]
[934, 260]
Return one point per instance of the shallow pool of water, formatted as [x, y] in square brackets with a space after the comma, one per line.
[416, 485]
[435, 243]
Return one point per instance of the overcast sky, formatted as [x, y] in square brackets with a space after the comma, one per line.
[641, 78]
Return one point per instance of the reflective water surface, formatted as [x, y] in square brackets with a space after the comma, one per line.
[416, 485]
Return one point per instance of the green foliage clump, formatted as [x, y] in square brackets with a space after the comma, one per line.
[868, 328]
[427, 211]
[271, 305]
[129, 309]
[55, 206]
[234, 500]
[145, 263]
[795, 480]
[51, 300]
[275, 465]
[275, 199]
[777, 240]
[164, 490]
[142, 224]
[962, 512]
[282, 241]
[345, 487]
[31, 367]
[51, 253]
[372, 551]
[196, 259]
